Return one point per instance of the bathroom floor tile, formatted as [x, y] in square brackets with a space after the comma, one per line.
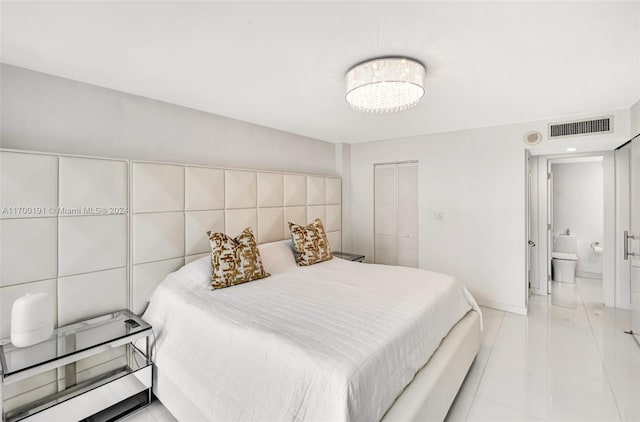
[564, 294]
[590, 289]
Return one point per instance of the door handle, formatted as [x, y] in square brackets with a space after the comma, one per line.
[627, 237]
[532, 243]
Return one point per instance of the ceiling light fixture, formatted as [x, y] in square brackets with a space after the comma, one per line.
[571, 149]
[385, 85]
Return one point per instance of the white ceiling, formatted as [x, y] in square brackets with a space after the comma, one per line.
[282, 65]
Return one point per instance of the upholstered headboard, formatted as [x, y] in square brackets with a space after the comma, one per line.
[173, 206]
[99, 234]
[64, 231]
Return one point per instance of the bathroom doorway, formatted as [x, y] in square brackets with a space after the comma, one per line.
[576, 222]
[576, 215]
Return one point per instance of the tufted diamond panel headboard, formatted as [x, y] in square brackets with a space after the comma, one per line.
[173, 206]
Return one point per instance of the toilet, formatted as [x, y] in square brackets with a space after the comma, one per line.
[564, 258]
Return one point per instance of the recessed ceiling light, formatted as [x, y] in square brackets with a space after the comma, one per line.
[571, 149]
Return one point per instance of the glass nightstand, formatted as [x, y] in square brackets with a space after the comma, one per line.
[349, 256]
[119, 383]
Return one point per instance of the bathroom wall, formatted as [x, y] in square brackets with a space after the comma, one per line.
[578, 204]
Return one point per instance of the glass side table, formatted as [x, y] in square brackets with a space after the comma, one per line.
[118, 387]
[349, 256]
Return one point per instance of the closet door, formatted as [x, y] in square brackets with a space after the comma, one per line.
[407, 175]
[385, 214]
[396, 214]
[633, 237]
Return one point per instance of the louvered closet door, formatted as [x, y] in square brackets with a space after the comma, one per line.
[396, 214]
[407, 175]
[386, 217]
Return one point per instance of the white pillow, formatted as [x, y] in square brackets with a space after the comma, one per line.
[277, 257]
[194, 275]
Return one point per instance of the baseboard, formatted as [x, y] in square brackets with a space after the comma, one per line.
[588, 274]
[626, 306]
[520, 310]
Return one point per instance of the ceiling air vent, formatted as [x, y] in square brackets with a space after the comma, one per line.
[581, 127]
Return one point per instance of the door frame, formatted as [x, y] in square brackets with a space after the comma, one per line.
[531, 234]
[544, 246]
[633, 243]
[623, 222]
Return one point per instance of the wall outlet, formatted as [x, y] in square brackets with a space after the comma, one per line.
[438, 215]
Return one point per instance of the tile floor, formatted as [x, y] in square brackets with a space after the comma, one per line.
[558, 364]
[561, 363]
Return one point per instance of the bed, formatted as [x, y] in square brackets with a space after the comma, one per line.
[335, 341]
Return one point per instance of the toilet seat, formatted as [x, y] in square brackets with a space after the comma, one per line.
[565, 256]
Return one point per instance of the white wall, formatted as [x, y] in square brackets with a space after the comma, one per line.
[343, 167]
[477, 179]
[42, 112]
[578, 204]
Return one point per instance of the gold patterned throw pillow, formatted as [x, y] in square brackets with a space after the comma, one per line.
[310, 243]
[235, 261]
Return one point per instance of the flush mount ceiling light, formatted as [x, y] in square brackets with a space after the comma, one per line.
[385, 85]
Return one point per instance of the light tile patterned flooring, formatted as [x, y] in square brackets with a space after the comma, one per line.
[557, 364]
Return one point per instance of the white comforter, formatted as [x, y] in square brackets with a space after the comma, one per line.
[336, 341]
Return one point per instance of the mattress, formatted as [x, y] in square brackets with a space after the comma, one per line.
[334, 341]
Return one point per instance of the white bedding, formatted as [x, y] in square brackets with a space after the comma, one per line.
[335, 341]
